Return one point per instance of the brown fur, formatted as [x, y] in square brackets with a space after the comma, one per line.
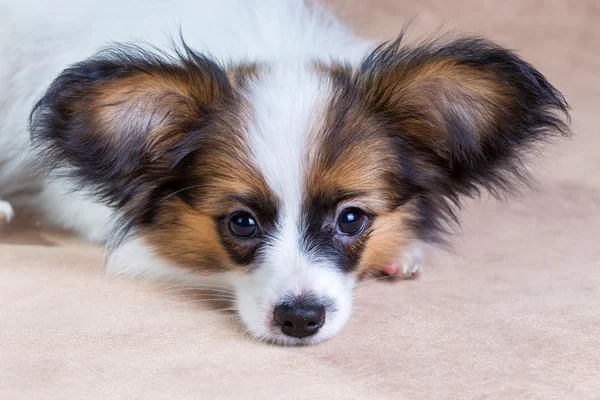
[401, 125]
[428, 93]
[352, 158]
[407, 133]
[157, 106]
[196, 235]
[188, 238]
[348, 154]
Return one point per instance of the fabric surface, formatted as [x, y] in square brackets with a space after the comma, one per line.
[513, 312]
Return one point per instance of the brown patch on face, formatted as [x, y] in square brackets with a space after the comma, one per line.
[188, 238]
[351, 165]
[350, 154]
[190, 227]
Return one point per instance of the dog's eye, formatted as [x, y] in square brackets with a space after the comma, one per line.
[351, 221]
[243, 226]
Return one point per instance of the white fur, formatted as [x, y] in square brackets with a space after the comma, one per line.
[39, 38]
[135, 259]
[6, 211]
[279, 138]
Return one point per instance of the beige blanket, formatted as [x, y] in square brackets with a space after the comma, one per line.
[513, 313]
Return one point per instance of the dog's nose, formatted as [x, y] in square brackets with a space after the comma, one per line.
[299, 320]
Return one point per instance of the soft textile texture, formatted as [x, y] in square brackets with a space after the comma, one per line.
[513, 312]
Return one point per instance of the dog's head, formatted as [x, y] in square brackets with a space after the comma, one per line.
[292, 180]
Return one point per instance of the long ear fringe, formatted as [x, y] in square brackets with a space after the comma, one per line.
[66, 138]
[62, 153]
[538, 114]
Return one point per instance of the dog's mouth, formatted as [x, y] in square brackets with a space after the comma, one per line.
[278, 339]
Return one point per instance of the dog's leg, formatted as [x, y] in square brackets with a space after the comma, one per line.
[405, 264]
[73, 210]
[409, 265]
[6, 212]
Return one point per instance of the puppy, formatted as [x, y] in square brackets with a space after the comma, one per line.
[273, 151]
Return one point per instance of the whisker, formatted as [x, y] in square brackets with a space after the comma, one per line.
[225, 309]
[184, 290]
[374, 279]
[184, 189]
[188, 288]
[198, 285]
[214, 299]
[185, 296]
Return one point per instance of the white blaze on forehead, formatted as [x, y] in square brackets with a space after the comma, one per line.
[289, 103]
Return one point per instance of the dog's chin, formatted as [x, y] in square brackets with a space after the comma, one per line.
[283, 340]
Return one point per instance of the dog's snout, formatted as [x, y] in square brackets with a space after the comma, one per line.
[299, 320]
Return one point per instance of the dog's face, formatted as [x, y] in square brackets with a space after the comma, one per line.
[292, 181]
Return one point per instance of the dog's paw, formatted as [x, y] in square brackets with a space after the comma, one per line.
[408, 266]
[6, 212]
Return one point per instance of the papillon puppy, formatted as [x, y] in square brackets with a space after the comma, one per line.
[267, 148]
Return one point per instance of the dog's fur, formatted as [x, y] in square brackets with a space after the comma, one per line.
[272, 109]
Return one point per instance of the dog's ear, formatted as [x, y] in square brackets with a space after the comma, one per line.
[114, 121]
[461, 112]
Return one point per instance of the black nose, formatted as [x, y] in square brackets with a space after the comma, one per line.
[299, 320]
